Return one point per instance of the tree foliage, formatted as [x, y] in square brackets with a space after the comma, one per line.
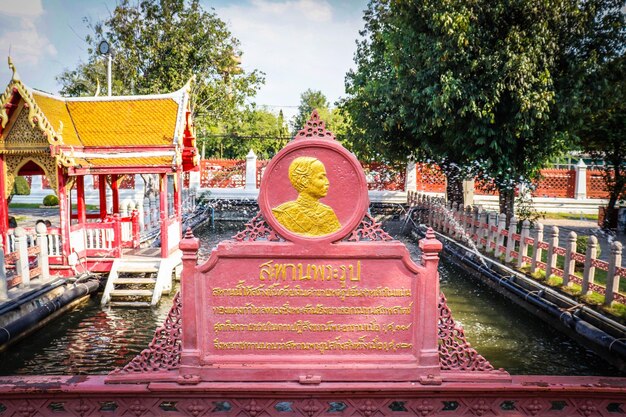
[335, 118]
[257, 129]
[158, 45]
[603, 126]
[486, 84]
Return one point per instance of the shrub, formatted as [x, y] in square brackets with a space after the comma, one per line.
[581, 245]
[20, 187]
[51, 200]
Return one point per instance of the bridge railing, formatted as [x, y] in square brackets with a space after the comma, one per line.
[27, 259]
[560, 262]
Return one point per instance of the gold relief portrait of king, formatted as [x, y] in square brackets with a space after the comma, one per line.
[305, 215]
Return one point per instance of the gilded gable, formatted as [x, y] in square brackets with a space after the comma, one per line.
[22, 135]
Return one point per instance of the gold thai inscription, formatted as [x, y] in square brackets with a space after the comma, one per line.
[292, 302]
[276, 290]
[336, 344]
[305, 326]
[270, 271]
[310, 309]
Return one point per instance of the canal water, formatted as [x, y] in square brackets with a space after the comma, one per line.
[92, 340]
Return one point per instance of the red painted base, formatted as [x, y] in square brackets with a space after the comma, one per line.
[524, 396]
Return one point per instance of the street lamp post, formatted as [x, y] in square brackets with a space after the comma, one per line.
[104, 49]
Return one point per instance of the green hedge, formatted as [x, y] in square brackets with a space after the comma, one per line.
[51, 200]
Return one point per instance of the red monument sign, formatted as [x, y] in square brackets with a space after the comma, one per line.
[313, 290]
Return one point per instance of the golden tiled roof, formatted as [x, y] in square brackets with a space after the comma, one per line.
[56, 111]
[124, 122]
[75, 126]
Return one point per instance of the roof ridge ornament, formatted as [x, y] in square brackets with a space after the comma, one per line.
[35, 115]
[315, 128]
[16, 76]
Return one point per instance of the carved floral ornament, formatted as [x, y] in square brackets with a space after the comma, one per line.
[35, 118]
[13, 163]
[35, 115]
[315, 128]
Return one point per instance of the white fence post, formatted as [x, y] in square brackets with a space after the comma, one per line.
[251, 170]
[612, 279]
[475, 219]
[590, 270]
[452, 232]
[491, 235]
[141, 214]
[580, 191]
[481, 230]
[510, 241]
[570, 263]
[431, 212]
[500, 235]
[4, 285]
[553, 242]
[42, 242]
[523, 246]
[536, 249]
[22, 262]
[410, 179]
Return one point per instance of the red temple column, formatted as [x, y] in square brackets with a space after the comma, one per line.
[4, 206]
[164, 214]
[115, 193]
[177, 195]
[64, 214]
[80, 196]
[102, 188]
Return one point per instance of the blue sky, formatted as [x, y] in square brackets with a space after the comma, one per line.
[299, 44]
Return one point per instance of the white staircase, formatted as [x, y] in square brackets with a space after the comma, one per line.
[139, 282]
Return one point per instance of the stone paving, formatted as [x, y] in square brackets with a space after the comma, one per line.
[27, 217]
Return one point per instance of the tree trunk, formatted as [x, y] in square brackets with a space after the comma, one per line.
[506, 199]
[609, 213]
[454, 189]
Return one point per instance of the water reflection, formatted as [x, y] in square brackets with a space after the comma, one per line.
[95, 341]
[511, 338]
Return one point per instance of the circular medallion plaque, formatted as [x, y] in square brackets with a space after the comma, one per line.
[313, 191]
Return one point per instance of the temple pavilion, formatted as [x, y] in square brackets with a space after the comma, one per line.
[67, 140]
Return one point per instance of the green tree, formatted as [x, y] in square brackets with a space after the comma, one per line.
[257, 129]
[335, 118]
[309, 101]
[603, 127]
[20, 187]
[484, 86]
[158, 45]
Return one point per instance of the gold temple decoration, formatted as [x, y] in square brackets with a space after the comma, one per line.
[35, 115]
[306, 216]
[13, 164]
[25, 143]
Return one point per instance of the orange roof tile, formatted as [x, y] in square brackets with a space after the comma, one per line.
[125, 162]
[125, 122]
[56, 111]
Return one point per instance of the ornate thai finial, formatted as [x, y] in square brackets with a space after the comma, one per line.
[60, 131]
[430, 233]
[315, 128]
[187, 86]
[97, 87]
[188, 234]
[16, 76]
